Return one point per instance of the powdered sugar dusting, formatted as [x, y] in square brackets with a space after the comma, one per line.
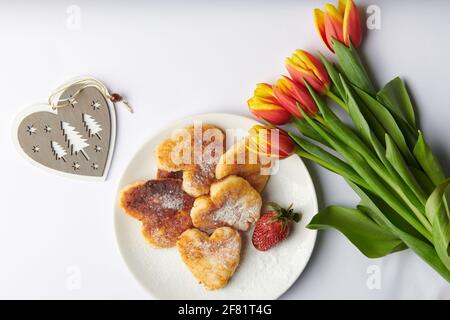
[223, 251]
[206, 171]
[171, 201]
[237, 213]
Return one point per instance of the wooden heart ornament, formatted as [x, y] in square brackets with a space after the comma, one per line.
[76, 140]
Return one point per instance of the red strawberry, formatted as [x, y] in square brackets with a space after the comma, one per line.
[273, 226]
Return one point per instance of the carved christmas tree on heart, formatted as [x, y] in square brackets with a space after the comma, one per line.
[58, 150]
[75, 141]
[91, 125]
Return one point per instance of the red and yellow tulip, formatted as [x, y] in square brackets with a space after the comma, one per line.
[289, 93]
[303, 66]
[270, 142]
[342, 23]
[265, 105]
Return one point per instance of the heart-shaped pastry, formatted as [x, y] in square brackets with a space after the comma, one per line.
[211, 259]
[76, 140]
[162, 207]
[194, 150]
[238, 160]
[232, 202]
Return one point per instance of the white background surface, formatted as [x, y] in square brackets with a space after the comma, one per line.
[173, 59]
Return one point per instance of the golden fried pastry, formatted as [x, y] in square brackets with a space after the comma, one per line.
[162, 206]
[211, 259]
[195, 150]
[165, 232]
[232, 202]
[197, 181]
[238, 160]
[169, 157]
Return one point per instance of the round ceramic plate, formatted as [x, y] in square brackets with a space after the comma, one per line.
[260, 275]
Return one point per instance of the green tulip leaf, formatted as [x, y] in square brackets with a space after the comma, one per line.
[421, 247]
[395, 96]
[352, 66]
[327, 160]
[428, 161]
[393, 178]
[388, 122]
[334, 75]
[438, 213]
[424, 181]
[361, 166]
[395, 158]
[372, 240]
[302, 126]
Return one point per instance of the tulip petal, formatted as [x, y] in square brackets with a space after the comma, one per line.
[319, 19]
[315, 65]
[275, 118]
[270, 142]
[299, 76]
[268, 111]
[302, 96]
[333, 24]
[285, 146]
[287, 101]
[334, 13]
[264, 90]
[341, 7]
[298, 66]
[352, 25]
[289, 93]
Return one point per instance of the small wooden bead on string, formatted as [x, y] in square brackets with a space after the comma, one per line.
[55, 102]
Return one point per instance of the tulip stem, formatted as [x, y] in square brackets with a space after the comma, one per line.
[321, 120]
[338, 100]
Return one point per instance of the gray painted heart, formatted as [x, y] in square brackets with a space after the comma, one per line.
[76, 139]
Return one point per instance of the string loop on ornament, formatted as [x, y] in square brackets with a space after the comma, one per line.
[55, 102]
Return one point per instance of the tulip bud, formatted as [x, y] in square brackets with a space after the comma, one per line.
[265, 105]
[270, 142]
[303, 66]
[342, 24]
[288, 94]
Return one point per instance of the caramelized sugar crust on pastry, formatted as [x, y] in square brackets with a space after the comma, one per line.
[162, 206]
[211, 259]
[238, 160]
[163, 174]
[232, 202]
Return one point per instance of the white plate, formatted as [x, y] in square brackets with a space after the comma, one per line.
[260, 275]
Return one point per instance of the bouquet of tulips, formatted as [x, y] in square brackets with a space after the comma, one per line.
[382, 154]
